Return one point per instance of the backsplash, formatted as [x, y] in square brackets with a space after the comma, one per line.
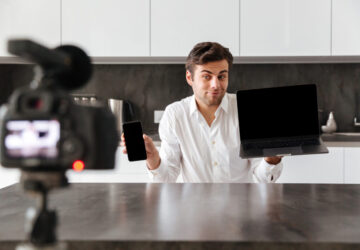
[153, 87]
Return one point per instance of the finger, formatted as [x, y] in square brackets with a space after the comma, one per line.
[122, 137]
[124, 151]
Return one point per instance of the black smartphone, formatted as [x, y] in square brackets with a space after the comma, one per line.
[134, 140]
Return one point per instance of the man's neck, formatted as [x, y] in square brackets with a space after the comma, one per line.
[208, 112]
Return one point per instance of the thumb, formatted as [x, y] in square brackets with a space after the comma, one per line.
[148, 143]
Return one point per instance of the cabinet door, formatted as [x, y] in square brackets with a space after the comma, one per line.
[345, 27]
[352, 165]
[8, 176]
[38, 20]
[285, 27]
[176, 26]
[321, 168]
[124, 166]
[107, 27]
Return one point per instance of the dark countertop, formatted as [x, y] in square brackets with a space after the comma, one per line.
[341, 139]
[195, 216]
[330, 140]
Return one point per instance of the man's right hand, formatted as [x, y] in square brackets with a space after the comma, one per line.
[152, 154]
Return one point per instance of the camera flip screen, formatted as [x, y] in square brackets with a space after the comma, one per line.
[32, 139]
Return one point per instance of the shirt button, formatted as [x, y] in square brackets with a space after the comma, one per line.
[213, 142]
[215, 163]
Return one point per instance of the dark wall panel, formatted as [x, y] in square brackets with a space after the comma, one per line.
[152, 87]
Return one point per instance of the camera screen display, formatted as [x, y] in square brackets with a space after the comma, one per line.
[35, 139]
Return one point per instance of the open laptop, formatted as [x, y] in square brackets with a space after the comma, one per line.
[279, 121]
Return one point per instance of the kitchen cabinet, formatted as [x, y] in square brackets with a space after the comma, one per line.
[285, 28]
[124, 171]
[161, 28]
[352, 165]
[341, 165]
[345, 27]
[8, 176]
[176, 26]
[321, 168]
[37, 19]
[108, 27]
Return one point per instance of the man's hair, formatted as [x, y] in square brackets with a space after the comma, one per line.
[205, 52]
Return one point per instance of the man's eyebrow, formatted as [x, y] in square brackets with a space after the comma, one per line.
[207, 71]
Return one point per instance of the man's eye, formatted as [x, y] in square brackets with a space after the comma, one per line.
[206, 77]
[221, 77]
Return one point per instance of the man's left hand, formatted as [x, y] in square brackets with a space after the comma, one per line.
[273, 160]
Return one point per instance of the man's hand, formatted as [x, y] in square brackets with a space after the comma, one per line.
[152, 154]
[273, 160]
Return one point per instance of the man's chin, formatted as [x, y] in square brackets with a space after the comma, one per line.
[215, 101]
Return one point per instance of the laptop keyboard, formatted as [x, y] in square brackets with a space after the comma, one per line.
[282, 144]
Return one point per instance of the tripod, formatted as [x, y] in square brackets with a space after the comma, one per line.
[40, 222]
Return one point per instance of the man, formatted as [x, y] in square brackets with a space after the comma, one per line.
[200, 134]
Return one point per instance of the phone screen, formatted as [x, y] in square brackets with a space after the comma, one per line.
[135, 145]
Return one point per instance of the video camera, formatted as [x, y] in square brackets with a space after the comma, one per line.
[42, 128]
[43, 132]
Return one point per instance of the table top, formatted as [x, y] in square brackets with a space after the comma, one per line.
[121, 212]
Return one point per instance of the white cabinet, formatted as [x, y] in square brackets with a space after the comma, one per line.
[124, 171]
[176, 26]
[321, 168]
[107, 27]
[345, 27]
[36, 19]
[285, 27]
[341, 165]
[8, 176]
[119, 28]
[352, 165]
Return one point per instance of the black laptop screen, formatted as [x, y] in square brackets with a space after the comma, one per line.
[278, 112]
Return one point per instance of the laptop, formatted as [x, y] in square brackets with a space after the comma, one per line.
[279, 121]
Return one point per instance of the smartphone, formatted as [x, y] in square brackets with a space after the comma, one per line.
[135, 144]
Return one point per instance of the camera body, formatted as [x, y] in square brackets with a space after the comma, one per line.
[42, 128]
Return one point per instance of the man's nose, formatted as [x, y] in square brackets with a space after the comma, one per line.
[215, 83]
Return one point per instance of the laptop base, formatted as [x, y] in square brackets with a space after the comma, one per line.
[285, 151]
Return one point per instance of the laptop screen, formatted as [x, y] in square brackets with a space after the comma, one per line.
[278, 112]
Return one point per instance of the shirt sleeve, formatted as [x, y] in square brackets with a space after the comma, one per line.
[264, 172]
[170, 153]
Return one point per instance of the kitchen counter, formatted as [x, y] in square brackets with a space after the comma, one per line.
[330, 140]
[341, 139]
[195, 216]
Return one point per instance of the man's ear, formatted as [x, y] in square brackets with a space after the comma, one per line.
[189, 77]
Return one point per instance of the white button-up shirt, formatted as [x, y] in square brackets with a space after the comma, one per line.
[206, 154]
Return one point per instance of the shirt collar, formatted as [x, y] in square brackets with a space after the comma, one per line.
[223, 105]
[193, 106]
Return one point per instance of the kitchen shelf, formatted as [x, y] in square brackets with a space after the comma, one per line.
[237, 60]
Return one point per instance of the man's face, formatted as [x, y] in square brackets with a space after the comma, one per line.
[209, 82]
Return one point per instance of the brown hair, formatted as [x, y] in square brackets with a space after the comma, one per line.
[205, 52]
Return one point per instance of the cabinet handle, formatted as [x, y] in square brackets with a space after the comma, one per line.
[356, 124]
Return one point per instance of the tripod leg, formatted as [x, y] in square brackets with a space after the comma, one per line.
[43, 231]
[41, 223]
